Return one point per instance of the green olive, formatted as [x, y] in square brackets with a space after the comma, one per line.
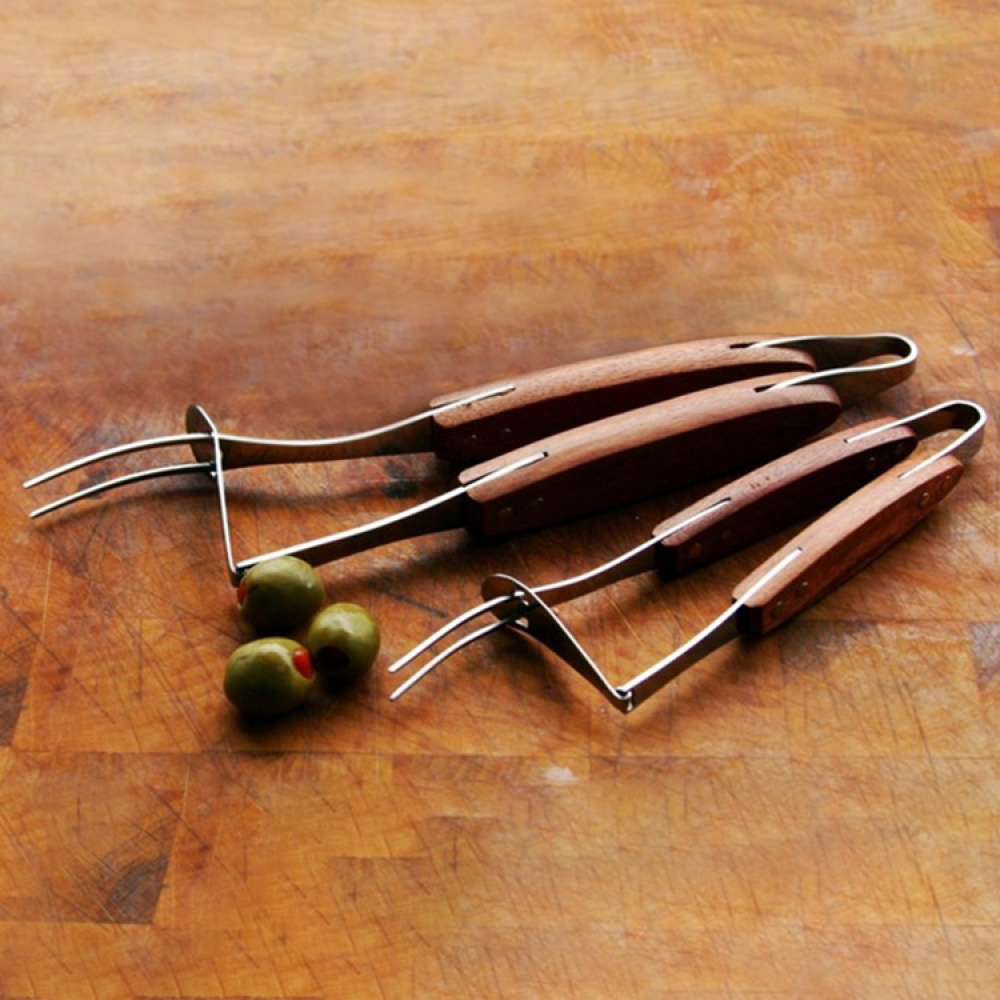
[343, 641]
[269, 676]
[278, 595]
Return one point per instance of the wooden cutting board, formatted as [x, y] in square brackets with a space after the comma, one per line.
[311, 218]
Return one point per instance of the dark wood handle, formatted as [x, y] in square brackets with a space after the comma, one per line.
[781, 493]
[842, 542]
[646, 452]
[555, 399]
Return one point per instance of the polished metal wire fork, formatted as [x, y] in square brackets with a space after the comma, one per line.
[871, 498]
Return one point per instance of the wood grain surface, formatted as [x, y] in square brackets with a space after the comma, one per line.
[312, 217]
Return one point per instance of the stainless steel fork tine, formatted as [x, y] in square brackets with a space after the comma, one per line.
[452, 626]
[449, 651]
[160, 472]
[148, 444]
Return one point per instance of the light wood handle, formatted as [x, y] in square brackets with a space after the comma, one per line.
[547, 402]
[844, 541]
[646, 452]
[782, 493]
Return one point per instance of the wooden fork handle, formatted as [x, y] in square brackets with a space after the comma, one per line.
[843, 541]
[780, 494]
[552, 400]
[645, 452]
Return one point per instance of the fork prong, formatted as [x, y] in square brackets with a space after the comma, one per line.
[456, 623]
[439, 658]
[162, 471]
[121, 449]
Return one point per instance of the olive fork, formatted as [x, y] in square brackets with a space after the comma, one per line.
[582, 462]
[871, 487]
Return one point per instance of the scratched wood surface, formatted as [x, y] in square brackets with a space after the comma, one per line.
[312, 217]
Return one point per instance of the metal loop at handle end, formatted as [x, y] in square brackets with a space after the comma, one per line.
[838, 362]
